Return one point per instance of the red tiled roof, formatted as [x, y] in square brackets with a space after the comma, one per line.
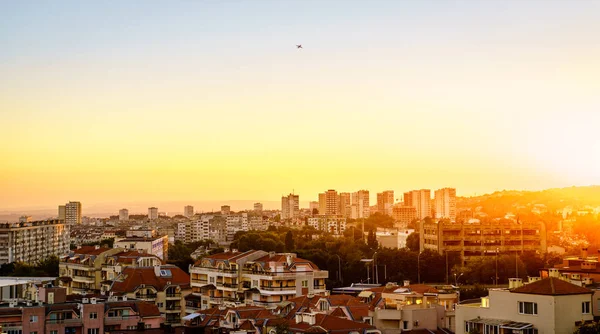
[90, 250]
[132, 277]
[551, 286]
[338, 312]
[146, 309]
[247, 326]
[422, 288]
[358, 312]
[342, 300]
[330, 323]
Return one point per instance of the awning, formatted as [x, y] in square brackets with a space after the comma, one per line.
[284, 303]
[191, 316]
[506, 324]
[517, 325]
[365, 294]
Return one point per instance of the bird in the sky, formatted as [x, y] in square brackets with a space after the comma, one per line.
[299, 46]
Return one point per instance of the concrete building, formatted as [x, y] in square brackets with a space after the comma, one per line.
[81, 269]
[62, 212]
[404, 214]
[188, 211]
[225, 210]
[334, 224]
[155, 245]
[290, 207]
[546, 306]
[329, 203]
[360, 205]
[152, 213]
[395, 239]
[123, 215]
[345, 205]
[420, 200]
[385, 202]
[313, 205]
[73, 213]
[25, 219]
[33, 241]
[483, 239]
[254, 278]
[445, 203]
[258, 208]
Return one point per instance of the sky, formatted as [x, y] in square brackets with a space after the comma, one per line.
[121, 101]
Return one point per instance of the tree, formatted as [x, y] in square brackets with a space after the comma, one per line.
[372, 240]
[413, 242]
[315, 211]
[289, 241]
[591, 328]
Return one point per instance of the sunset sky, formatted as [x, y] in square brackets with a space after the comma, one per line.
[108, 102]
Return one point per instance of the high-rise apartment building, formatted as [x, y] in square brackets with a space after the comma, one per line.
[152, 213]
[73, 213]
[404, 214]
[313, 205]
[33, 241]
[123, 214]
[345, 205]
[360, 204]
[385, 202]
[225, 210]
[258, 207]
[290, 207]
[445, 203]
[188, 211]
[420, 200]
[329, 203]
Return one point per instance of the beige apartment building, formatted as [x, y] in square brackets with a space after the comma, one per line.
[32, 241]
[253, 278]
[334, 224]
[445, 203]
[385, 202]
[404, 215]
[81, 269]
[290, 207]
[546, 306]
[483, 239]
[420, 200]
[329, 203]
[360, 204]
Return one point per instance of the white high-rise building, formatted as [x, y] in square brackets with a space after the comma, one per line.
[420, 200]
[33, 241]
[258, 207]
[360, 204]
[152, 213]
[73, 213]
[445, 203]
[290, 207]
[188, 211]
[123, 214]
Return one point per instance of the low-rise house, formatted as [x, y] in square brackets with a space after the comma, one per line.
[550, 305]
[81, 269]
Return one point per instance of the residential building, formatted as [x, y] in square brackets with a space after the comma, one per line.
[113, 264]
[123, 214]
[290, 207]
[385, 202]
[313, 205]
[254, 278]
[404, 215]
[483, 238]
[395, 239]
[73, 213]
[152, 213]
[579, 270]
[420, 200]
[163, 285]
[32, 241]
[334, 224]
[25, 219]
[188, 211]
[257, 223]
[345, 205]
[155, 245]
[360, 204]
[445, 203]
[81, 269]
[225, 210]
[329, 203]
[236, 223]
[547, 306]
[258, 208]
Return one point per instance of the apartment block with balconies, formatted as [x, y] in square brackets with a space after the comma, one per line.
[81, 270]
[473, 240]
[30, 242]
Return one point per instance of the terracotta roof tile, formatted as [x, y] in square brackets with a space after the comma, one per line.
[132, 277]
[551, 286]
[90, 250]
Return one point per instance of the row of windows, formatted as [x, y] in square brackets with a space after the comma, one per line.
[531, 308]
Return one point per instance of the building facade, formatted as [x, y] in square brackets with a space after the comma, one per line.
[155, 245]
[123, 214]
[483, 239]
[334, 224]
[445, 204]
[32, 241]
[404, 214]
[420, 200]
[385, 202]
[290, 207]
[360, 204]
[258, 208]
[73, 213]
[152, 213]
[188, 211]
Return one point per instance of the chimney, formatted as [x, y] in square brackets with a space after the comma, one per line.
[298, 318]
[406, 282]
[157, 271]
[584, 253]
[97, 247]
[553, 272]
[514, 283]
[289, 260]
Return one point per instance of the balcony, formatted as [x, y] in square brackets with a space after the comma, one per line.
[118, 319]
[70, 322]
[85, 279]
[173, 309]
[283, 288]
[150, 296]
[214, 270]
[320, 287]
[176, 295]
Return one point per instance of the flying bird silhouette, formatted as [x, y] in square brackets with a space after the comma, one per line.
[299, 46]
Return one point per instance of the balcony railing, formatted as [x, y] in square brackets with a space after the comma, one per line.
[65, 321]
[200, 281]
[146, 296]
[174, 295]
[226, 271]
[282, 288]
[228, 285]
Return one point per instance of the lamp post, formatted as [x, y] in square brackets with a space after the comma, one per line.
[367, 261]
[419, 268]
[375, 270]
[340, 269]
[456, 278]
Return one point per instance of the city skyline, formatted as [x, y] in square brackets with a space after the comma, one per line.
[213, 101]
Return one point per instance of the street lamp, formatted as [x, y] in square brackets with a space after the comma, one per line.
[367, 261]
[419, 268]
[456, 278]
[375, 270]
[340, 269]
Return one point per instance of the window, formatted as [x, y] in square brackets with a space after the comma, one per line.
[53, 332]
[527, 308]
[93, 315]
[93, 331]
[32, 332]
[160, 305]
[585, 307]
[33, 318]
[405, 324]
[305, 284]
